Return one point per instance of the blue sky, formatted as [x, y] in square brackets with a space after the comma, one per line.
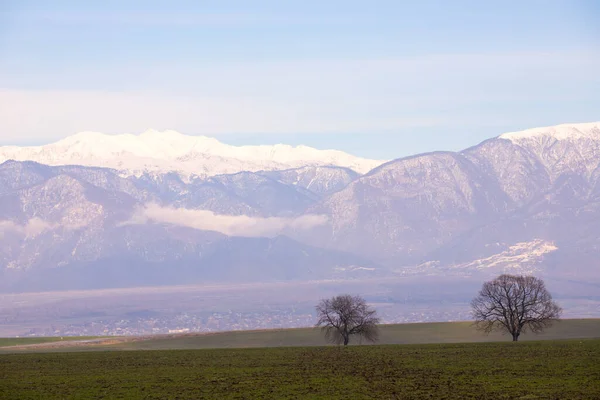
[381, 79]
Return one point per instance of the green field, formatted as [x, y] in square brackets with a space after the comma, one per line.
[566, 369]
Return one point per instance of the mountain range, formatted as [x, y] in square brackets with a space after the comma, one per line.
[96, 211]
[170, 151]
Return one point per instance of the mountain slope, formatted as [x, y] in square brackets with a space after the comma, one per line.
[459, 207]
[74, 227]
[170, 151]
[319, 180]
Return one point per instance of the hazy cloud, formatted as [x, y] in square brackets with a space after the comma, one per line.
[32, 115]
[322, 96]
[171, 18]
[231, 225]
[33, 227]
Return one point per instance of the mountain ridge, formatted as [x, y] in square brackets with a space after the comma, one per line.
[171, 151]
[559, 132]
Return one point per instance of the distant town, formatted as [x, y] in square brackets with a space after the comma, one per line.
[148, 323]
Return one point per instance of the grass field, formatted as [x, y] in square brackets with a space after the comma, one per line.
[565, 369]
[442, 332]
[38, 340]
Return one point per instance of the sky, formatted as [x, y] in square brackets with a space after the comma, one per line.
[379, 79]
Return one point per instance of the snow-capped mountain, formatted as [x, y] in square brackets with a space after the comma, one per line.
[539, 184]
[524, 201]
[569, 132]
[170, 151]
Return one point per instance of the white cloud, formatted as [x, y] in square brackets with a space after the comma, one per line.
[231, 225]
[34, 227]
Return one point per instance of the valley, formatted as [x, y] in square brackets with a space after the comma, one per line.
[226, 307]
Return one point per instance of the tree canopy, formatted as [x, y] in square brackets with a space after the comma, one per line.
[514, 304]
[344, 316]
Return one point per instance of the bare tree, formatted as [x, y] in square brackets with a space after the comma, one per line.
[514, 304]
[344, 316]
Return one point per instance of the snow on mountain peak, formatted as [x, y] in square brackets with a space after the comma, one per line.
[171, 151]
[589, 130]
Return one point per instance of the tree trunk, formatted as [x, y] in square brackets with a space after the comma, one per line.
[515, 337]
[346, 340]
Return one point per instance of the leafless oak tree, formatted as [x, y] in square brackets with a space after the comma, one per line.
[344, 316]
[514, 304]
